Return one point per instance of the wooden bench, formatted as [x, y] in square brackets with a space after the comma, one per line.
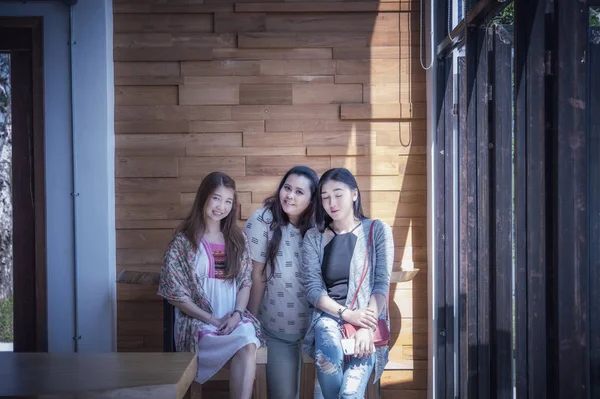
[260, 383]
[307, 374]
[260, 380]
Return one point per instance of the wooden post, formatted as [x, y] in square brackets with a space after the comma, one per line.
[594, 201]
[195, 391]
[501, 214]
[443, 324]
[532, 251]
[372, 391]
[450, 237]
[570, 286]
[485, 193]
[260, 382]
[307, 380]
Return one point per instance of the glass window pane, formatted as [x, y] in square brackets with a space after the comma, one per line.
[6, 308]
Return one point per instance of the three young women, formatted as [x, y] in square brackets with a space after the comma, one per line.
[291, 267]
[206, 275]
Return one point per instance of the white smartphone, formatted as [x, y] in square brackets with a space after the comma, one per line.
[348, 346]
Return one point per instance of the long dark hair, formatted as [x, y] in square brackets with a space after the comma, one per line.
[280, 218]
[341, 175]
[194, 225]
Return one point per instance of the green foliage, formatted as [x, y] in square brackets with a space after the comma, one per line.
[595, 16]
[507, 16]
[4, 89]
[6, 320]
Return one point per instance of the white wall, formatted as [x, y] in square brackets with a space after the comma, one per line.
[94, 148]
[94, 138]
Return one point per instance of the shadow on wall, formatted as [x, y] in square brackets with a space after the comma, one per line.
[325, 89]
[392, 175]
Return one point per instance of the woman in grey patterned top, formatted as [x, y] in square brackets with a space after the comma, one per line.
[275, 234]
[333, 257]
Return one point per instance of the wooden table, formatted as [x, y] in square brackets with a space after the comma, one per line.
[97, 375]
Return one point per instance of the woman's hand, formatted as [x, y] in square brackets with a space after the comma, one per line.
[364, 318]
[219, 323]
[230, 324]
[363, 343]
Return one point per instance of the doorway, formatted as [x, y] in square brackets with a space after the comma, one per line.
[23, 132]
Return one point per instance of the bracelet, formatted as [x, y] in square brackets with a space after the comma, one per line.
[340, 312]
[240, 312]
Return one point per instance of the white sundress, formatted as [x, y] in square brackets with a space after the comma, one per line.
[215, 350]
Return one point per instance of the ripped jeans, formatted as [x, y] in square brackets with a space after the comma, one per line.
[337, 378]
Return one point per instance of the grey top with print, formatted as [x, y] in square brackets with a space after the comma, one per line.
[376, 281]
[284, 308]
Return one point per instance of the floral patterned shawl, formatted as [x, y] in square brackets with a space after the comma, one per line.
[179, 282]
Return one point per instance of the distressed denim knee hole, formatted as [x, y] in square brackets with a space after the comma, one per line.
[352, 385]
[354, 379]
[325, 365]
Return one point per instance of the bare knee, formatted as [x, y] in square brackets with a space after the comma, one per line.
[248, 351]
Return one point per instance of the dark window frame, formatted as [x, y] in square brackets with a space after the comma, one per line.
[22, 37]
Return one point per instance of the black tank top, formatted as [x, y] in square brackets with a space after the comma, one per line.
[337, 256]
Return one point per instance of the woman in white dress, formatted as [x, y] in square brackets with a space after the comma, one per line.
[206, 275]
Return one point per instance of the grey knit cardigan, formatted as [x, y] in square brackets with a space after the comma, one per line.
[377, 279]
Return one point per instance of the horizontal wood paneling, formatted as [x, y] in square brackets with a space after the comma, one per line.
[252, 88]
[168, 23]
[321, 7]
[146, 95]
[302, 39]
[162, 54]
[134, 7]
[207, 94]
[253, 94]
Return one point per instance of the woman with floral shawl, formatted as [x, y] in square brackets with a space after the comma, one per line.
[206, 275]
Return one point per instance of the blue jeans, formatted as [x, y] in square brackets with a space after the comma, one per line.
[284, 356]
[337, 378]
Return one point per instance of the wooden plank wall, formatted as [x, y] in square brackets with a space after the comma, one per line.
[251, 89]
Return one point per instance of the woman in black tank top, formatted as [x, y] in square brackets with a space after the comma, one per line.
[333, 259]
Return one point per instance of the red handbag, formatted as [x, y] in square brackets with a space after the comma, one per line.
[381, 336]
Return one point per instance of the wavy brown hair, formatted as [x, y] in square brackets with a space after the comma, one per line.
[280, 218]
[194, 225]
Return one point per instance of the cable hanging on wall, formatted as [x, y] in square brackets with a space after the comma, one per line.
[421, 38]
[464, 14]
[449, 31]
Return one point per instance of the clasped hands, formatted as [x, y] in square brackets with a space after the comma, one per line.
[226, 324]
[366, 320]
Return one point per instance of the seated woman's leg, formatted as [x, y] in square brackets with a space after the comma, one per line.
[328, 356]
[283, 367]
[357, 373]
[243, 371]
